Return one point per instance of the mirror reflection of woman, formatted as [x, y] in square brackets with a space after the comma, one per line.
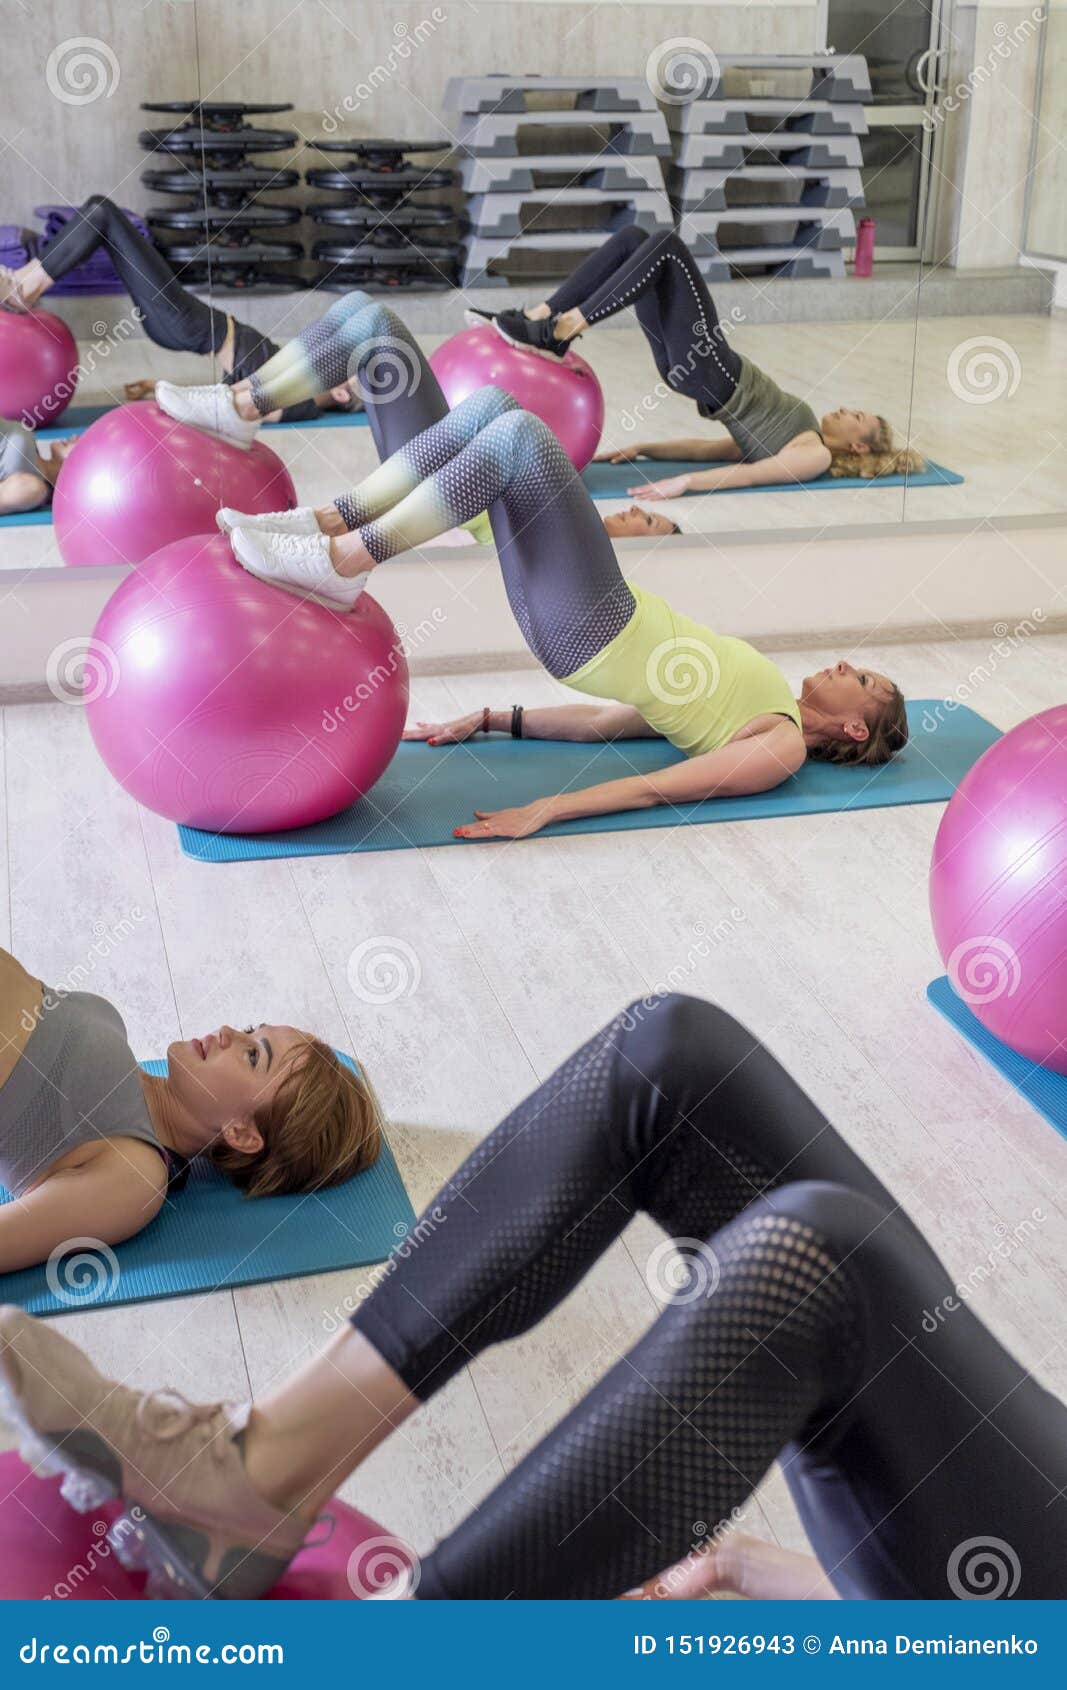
[771, 436]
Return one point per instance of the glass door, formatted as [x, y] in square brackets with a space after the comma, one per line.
[902, 45]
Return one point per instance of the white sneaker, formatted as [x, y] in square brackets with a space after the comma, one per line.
[301, 521]
[298, 563]
[210, 408]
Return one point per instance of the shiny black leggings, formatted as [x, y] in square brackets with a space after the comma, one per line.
[813, 1325]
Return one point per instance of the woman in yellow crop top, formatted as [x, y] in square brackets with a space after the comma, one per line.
[656, 672]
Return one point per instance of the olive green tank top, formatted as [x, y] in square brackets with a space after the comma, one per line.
[760, 416]
[695, 687]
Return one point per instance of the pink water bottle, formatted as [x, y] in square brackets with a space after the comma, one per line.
[863, 262]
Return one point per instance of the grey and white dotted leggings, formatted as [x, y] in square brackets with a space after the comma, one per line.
[812, 1329]
[657, 274]
[440, 468]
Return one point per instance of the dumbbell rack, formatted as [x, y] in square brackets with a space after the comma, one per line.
[385, 233]
[795, 157]
[224, 228]
[516, 175]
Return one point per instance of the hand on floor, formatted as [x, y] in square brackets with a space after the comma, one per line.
[509, 824]
[619, 455]
[140, 390]
[447, 733]
[672, 488]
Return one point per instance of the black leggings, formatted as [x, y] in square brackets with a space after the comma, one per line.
[657, 275]
[816, 1327]
[171, 316]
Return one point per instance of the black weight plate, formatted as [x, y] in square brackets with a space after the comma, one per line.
[369, 217]
[381, 281]
[249, 252]
[218, 144]
[232, 221]
[378, 251]
[242, 181]
[361, 179]
[362, 146]
[264, 279]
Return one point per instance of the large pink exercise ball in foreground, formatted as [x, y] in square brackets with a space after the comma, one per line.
[137, 480]
[563, 392]
[998, 889]
[230, 705]
[38, 367]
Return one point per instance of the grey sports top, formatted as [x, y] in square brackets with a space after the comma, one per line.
[18, 450]
[760, 416]
[76, 1080]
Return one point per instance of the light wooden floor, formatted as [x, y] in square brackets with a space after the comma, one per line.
[1011, 451]
[523, 950]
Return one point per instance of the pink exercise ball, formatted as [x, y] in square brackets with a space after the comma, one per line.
[38, 367]
[137, 480]
[230, 705]
[998, 889]
[563, 392]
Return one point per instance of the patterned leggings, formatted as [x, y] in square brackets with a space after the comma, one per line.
[441, 468]
[803, 1332]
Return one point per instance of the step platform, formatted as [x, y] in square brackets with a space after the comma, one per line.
[496, 216]
[562, 250]
[830, 76]
[766, 117]
[789, 261]
[498, 134]
[807, 226]
[507, 94]
[608, 172]
[739, 152]
[708, 190]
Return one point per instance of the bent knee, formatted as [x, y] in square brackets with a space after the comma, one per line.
[22, 492]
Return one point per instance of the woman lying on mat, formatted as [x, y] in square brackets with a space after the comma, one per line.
[170, 315]
[92, 1145]
[716, 698]
[771, 437]
[802, 1335]
[27, 477]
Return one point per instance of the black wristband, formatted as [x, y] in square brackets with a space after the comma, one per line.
[516, 721]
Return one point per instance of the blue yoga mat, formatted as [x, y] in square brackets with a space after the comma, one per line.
[1043, 1090]
[610, 481]
[77, 418]
[27, 519]
[209, 1238]
[429, 790]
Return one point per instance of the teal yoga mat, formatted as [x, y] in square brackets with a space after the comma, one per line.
[209, 1238]
[1043, 1090]
[611, 481]
[77, 418]
[429, 790]
[27, 519]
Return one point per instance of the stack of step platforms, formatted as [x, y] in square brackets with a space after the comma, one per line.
[226, 234]
[387, 226]
[771, 183]
[552, 165]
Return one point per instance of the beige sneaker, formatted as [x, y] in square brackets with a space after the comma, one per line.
[192, 1520]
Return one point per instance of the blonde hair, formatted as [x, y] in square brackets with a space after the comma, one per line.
[882, 458]
[888, 735]
[322, 1125]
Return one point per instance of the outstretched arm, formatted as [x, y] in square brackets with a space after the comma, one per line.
[720, 449]
[581, 723]
[116, 1194]
[744, 766]
[804, 459]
